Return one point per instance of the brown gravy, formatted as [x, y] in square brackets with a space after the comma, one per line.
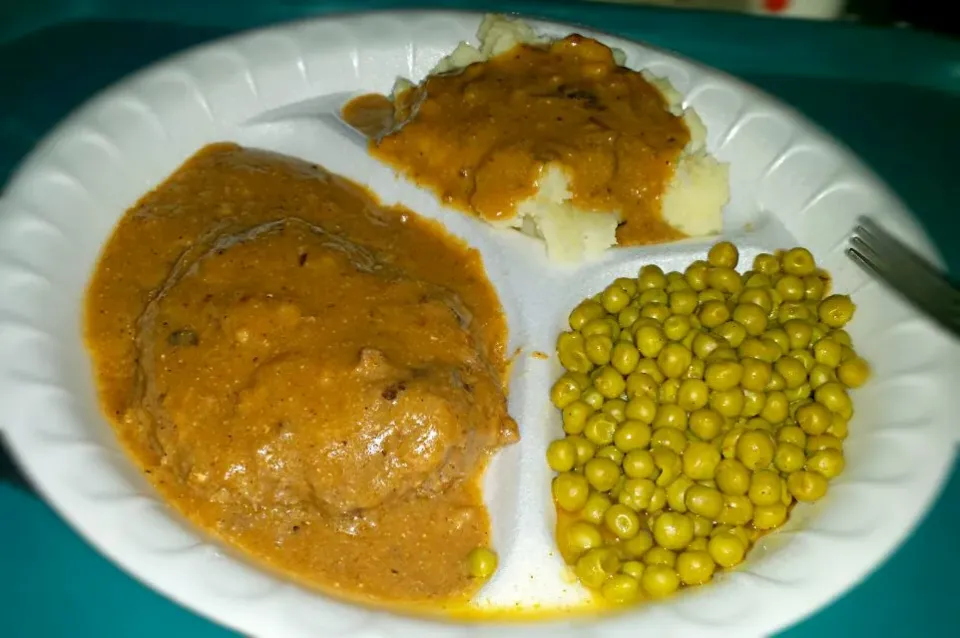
[310, 376]
[479, 138]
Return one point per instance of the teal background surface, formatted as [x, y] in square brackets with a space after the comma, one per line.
[893, 96]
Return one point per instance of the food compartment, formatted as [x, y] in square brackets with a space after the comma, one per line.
[676, 257]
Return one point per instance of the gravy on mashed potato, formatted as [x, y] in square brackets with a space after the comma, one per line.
[558, 115]
[315, 378]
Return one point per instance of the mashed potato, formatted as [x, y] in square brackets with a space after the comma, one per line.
[691, 202]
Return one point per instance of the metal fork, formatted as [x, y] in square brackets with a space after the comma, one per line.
[881, 254]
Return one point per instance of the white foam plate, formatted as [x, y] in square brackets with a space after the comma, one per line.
[790, 185]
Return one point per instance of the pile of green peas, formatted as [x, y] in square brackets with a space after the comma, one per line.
[697, 408]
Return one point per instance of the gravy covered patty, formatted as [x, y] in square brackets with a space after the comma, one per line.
[304, 373]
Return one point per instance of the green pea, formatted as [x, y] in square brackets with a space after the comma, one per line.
[632, 435]
[677, 493]
[609, 383]
[639, 545]
[789, 458]
[651, 276]
[575, 416]
[580, 378]
[598, 349]
[650, 340]
[578, 537]
[601, 473]
[617, 408]
[726, 549]
[610, 452]
[561, 455]
[585, 449]
[676, 327]
[639, 464]
[584, 312]
[624, 357]
[596, 566]
[628, 284]
[640, 384]
[622, 521]
[600, 429]
[637, 493]
[482, 563]
[570, 491]
[695, 567]
[658, 500]
[597, 327]
[628, 316]
[621, 589]
[660, 581]
[592, 397]
[571, 352]
[641, 408]
[614, 299]
[596, 506]
[633, 568]
[564, 392]
[650, 297]
[658, 555]
[673, 530]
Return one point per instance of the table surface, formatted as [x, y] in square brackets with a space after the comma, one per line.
[892, 96]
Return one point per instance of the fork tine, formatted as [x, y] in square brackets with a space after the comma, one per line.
[905, 264]
[869, 228]
[918, 287]
[868, 259]
[883, 255]
[878, 269]
[904, 285]
[884, 241]
[892, 267]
